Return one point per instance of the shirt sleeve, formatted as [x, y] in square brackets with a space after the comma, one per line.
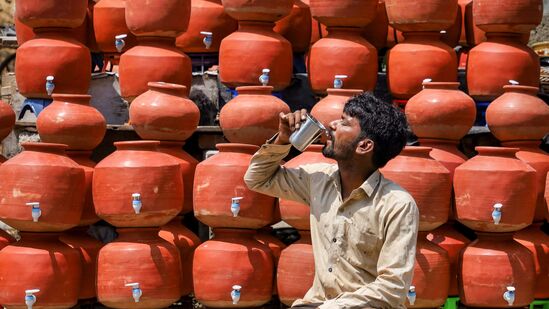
[395, 266]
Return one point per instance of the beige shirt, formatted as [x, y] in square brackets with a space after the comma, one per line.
[364, 247]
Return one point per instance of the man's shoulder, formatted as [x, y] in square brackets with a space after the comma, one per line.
[394, 196]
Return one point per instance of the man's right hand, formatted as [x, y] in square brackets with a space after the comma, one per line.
[287, 124]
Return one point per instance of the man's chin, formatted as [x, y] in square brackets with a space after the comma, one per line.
[328, 152]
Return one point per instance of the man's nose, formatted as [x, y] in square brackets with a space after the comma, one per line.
[333, 124]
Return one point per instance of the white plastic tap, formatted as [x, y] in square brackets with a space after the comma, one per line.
[411, 295]
[496, 213]
[30, 298]
[136, 291]
[50, 85]
[119, 42]
[235, 205]
[509, 295]
[338, 81]
[36, 212]
[208, 38]
[264, 78]
[235, 294]
[136, 203]
[513, 82]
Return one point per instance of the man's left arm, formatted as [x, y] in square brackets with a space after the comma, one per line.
[395, 265]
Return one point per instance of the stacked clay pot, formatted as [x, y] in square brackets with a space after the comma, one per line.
[377, 31]
[297, 27]
[53, 60]
[422, 54]
[155, 58]
[7, 121]
[256, 42]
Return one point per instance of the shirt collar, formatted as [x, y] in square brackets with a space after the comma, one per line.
[371, 183]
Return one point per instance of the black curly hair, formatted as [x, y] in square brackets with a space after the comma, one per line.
[381, 122]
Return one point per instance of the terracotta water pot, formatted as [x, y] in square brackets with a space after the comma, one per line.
[218, 180]
[245, 262]
[40, 261]
[88, 248]
[265, 237]
[252, 116]
[294, 213]
[160, 192]
[421, 15]
[537, 242]
[259, 10]
[518, 114]
[432, 194]
[70, 68]
[482, 185]
[188, 165]
[154, 59]
[492, 64]
[209, 16]
[441, 111]
[376, 31]
[345, 13]
[262, 48]
[186, 241]
[452, 241]
[318, 29]
[296, 270]
[44, 174]
[519, 16]
[51, 13]
[70, 120]
[138, 256]
[422, 55]
[5, 239]
[489, 265]
[7, 119]
[160, 18]
[89, 216]
[296, 27]
[343, 51]
[164, 112]
[109, 20]
[452, 35]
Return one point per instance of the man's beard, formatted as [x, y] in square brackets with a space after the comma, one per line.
[346, 150]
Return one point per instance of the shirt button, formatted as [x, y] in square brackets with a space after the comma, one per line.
[334, 239]
[330, 269]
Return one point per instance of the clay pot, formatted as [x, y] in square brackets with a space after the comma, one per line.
[519, 16]
[294, 213]
[421, 15]
[537, 242]
[318, 29]
[484, 181]
[206, 15]
[489, 265]
[376, 31]
[492, 64]
[218, 180]
[419, 57]
[153, 60]
[259, 10]
[246, 262]
[109, 20]
[343, 51]
[7, 119]
[161, 191]
[160, 18]
[252, 116]
[138, 256]
[186, 241]
[164, 112]
[188, 165]
[296, 27]
[265, 237]
[452, 35]
[433, 194]
[40, 261]
[345, 13]
[88, 248]
[262, 48]
[44, 174]
[441, 111]
[518, 115]
[452, 241]
[51, 13]
[89, 216]
[70, 120]
[71, 67]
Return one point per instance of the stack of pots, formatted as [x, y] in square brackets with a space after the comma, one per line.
[7, 121]
[156, 58]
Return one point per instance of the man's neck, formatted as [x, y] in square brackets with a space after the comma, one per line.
[352, 176]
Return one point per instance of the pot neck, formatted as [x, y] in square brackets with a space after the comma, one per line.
[238, 148]
[504, 152]
[176, 145]
[233, 233]
[506, 236]
[39, 237]
[422, 35]
[527, 90]
[344, 30]
[255, 26]
[59, 149]
[82, 157]
[441, 85]
[255, 90]
[80, 99]
[417, 151]
[169, 89]
[530, 145]
[156, 40]
[137, 145]
[344, 92]
[434, 142]
[507, 36]
[141, 233]
[50, 31]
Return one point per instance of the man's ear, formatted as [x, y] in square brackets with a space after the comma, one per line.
[365, 146]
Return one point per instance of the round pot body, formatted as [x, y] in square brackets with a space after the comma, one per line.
[431, 191]
[88, 248]
[518, 114]
[218, 180]
[296, 27]
[161, 18]
[484, 181]
[186, 241]
[421, 15]
[492, 64]
[206, 15]
[51, 13]
[537, 242]
[70, 120]
[7, 119]
[262, 48]
[489, 265]
[153, 60]
[155, 176]
[518, 16]
[89, 216]
[294, 213]
[441, 111]
[346, 13]
[252, 116]
[422, 55]
[246, 262]
[40, 261]
[138, 256]
[70, 67]
[259, 10]
[343, 51]
[44, 174]
[109, 20]
[330, 108]
[376, 32]
[296, 270]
